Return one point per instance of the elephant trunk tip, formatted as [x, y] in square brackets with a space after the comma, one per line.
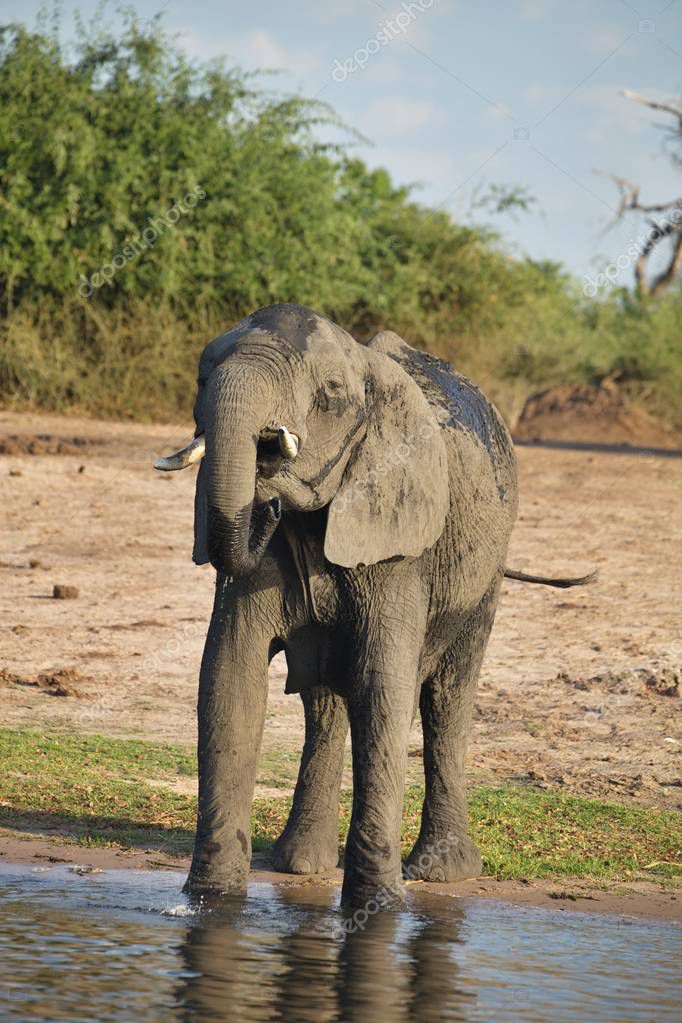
[236, 547]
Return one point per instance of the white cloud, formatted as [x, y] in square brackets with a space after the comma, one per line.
[539, 95]
[384, 70]
[396, 116]
[607, 101]
[605, 40]
[498, 112]
[432, 170]
[327, 13]
[197, 47]
[444, 8]
[256, 49]
[260, 50]
[536, 10]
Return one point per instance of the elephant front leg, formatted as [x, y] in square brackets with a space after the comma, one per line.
[309, 843]
[231, 710]
[380, 710]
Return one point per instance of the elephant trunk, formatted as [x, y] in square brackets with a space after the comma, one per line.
[238, 529]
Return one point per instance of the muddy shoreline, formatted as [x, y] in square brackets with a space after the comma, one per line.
[632, 899]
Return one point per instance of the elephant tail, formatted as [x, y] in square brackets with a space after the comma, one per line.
[563, 583]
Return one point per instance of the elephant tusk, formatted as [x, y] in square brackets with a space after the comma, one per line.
[194, 452]
[288, 442]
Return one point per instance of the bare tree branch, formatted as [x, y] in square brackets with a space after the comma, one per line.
[668, 108]
[667, 226]
[666, 278]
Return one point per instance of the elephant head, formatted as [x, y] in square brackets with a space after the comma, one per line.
[293, 414]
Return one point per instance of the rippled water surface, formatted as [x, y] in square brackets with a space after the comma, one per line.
[124, 945]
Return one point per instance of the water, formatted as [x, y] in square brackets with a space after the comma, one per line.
[124, 945]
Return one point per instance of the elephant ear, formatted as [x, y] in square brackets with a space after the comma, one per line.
[394, 495]
[200, 552]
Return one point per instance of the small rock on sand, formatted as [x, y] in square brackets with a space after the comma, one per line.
[60, 592]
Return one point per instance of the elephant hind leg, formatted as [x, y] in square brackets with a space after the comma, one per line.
[443, 850]
[309, 843]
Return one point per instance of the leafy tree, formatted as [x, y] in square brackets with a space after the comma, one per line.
[111, 279]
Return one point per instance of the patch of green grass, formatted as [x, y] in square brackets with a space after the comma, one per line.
[538, 834]
[28, 750]
[95, 790]
[279, 768]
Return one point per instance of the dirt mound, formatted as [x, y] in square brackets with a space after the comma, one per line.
[656, 680]
[591, 414]
[62, 682]
[44, 444]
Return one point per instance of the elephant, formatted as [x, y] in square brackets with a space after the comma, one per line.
[356, 502]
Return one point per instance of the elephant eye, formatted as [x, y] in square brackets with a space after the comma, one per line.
[330, 396]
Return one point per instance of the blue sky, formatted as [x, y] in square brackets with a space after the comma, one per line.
[456, 96]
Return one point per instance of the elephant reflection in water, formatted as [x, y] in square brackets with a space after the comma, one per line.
[407, 979]
[222, 977]
[397, 967]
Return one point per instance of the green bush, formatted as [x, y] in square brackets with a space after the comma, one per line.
[147, 202]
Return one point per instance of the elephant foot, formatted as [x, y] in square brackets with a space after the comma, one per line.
[200, 886]
[367, 897]
[209, 879]
[306, 852]
[205, 898]
[449, 858]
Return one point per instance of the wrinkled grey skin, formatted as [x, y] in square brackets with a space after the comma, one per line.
[374, 560]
